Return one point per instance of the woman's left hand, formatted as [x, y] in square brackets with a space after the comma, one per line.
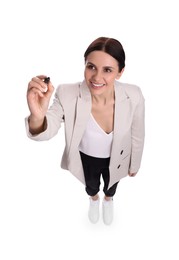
[132, 174]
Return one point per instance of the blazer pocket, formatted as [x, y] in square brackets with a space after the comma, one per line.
[125, 161]
[125, 156]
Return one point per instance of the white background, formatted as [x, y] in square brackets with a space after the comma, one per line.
[43, 209]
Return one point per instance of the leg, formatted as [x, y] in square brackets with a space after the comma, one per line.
[95, 197]
[108, 198]
[92, 175]
[112, 190]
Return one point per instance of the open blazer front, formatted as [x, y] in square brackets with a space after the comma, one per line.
[72, 105]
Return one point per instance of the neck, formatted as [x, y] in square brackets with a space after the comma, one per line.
[103, 98]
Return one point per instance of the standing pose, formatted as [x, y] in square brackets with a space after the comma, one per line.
[104, 123]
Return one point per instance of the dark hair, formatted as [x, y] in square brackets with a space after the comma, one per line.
[109, 45]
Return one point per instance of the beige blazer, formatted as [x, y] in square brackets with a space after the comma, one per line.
[72, 105]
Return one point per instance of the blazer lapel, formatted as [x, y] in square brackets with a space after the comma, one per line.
[83, 109]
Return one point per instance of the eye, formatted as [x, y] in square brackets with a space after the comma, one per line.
[108, 70]
[90, 67]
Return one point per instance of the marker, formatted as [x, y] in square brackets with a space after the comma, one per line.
[46, 80]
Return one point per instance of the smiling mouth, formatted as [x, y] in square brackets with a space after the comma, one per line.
[96, 86]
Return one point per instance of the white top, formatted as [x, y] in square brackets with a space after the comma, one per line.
[95, 141]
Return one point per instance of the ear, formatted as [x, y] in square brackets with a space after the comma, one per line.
[120, 74]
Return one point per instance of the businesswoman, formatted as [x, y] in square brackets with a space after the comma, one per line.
[104, 123]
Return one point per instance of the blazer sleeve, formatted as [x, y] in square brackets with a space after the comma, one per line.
[138, 134]
[54, 118]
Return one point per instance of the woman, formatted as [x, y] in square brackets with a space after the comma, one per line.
[104, 123]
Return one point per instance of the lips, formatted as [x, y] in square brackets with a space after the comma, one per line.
[97, 85]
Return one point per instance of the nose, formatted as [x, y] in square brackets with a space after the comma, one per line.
[97, 75]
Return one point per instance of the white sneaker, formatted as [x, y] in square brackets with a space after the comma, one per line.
[107, 211]
[93, 212]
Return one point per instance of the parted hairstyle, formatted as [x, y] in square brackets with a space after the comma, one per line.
[109, 45]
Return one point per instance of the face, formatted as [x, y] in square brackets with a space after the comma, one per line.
[101, 70]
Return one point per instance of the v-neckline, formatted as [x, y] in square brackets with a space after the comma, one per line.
[100, 126]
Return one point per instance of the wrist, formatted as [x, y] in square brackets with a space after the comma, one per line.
[36, 125]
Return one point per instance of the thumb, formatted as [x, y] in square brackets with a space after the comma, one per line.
[49, 90]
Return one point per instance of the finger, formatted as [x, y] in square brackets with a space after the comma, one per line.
[41, 76]
[35, 91]
[36, 83]
[50, 87]
[42, 80]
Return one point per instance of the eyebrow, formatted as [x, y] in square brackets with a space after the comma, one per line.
[105, 67]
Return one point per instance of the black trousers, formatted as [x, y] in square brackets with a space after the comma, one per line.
[94, 168]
